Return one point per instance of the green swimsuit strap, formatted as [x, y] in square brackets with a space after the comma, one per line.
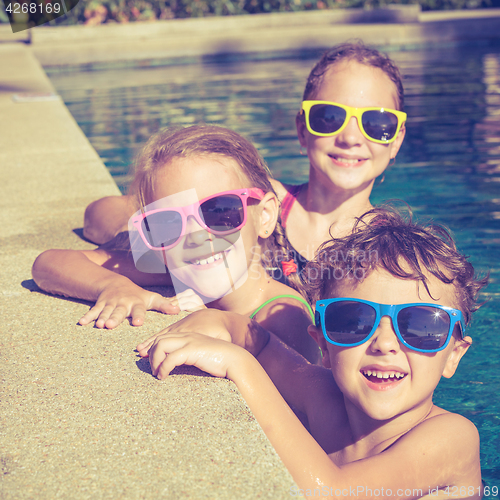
[300, 299]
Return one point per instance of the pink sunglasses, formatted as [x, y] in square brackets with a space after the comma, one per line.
[219, 214]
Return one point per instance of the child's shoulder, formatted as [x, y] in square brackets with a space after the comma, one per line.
[447, 425]
[447, 442]
[281, 297]
[282, 189]
[287, 314]
[442, 420]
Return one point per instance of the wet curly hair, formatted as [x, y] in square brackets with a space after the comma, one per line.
[389, 239]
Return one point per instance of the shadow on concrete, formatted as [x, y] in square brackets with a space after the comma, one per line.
[144, 366]
[31, 286]
[15, 88]
[79, 232]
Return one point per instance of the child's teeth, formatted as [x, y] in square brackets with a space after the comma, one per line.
[346, 160]
[208, 260]
[383, 375]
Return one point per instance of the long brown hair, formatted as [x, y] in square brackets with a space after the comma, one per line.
[354, 52]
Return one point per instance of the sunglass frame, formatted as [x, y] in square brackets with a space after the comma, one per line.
[350, 112]
[392, 311]
[192, 210]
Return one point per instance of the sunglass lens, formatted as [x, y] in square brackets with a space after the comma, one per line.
[380, 125]
[223, 213]
[349, 322]
[162, 229]
[424, 327]
[326, 118]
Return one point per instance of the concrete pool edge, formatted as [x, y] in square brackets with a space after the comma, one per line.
[82, 417]
[403, 27]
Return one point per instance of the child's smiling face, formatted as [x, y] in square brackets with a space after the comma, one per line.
[415, 375]
[210, 264]
[349, 160]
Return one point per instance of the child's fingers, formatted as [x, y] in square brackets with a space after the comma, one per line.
[111, 316]
[91, 315]
[144, 347]
[138, 314]
[161, 351]
[165, 305]
[176, 358]
[193, 349]
[118, 316]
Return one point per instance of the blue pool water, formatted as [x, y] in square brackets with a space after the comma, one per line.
[448, 168]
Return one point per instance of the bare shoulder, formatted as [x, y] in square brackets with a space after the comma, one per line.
[450, 442]
[106, 217]
[280, 188]
[288, 318]
[460, 431]
[451, 425]
[284, 298]
[441, 451]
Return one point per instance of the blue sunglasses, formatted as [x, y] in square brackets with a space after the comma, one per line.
[348, 322]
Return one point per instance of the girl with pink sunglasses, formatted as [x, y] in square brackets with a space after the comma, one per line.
[205, 220]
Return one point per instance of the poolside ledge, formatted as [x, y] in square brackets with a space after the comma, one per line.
[188, 40]
[81, 416]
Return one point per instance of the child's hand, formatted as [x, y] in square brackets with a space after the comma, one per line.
[189, 300]
[208, 322]
[116, 303]
[213, 356]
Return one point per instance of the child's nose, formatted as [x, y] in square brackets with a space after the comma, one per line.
[195, 234]
[385, 339]
[351, 135]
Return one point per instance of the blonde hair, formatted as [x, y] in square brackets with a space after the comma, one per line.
[199, 140]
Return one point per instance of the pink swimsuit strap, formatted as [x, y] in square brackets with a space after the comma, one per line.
[288, 201]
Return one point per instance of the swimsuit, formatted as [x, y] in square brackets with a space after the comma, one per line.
[286, 207]
[300, 299]
[288, 201]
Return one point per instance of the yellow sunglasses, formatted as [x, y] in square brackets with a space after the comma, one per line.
[325, 118]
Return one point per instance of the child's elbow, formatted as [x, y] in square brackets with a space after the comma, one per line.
[41, 267]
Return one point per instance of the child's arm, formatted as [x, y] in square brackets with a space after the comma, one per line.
[284, 365]
[83, 275]
[106, 217]
[428, 456]
[300, 453]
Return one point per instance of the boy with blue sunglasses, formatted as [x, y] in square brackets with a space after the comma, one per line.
[392, 302]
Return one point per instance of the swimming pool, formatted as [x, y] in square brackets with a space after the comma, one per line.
[448, 168]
